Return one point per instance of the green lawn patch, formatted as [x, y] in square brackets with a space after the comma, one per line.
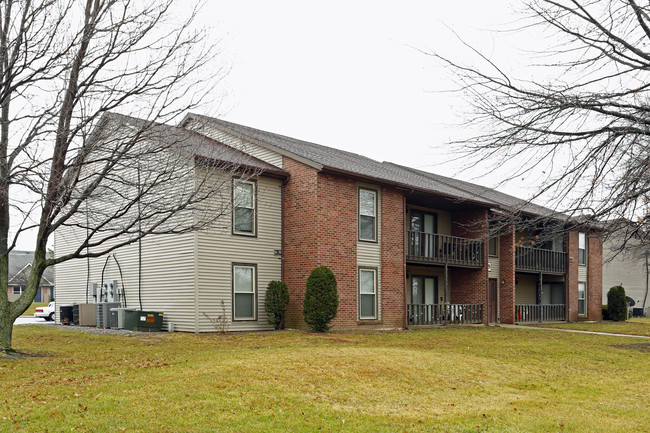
[439, 380]
[631, 327]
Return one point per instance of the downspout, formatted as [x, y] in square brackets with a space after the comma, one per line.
[646, 281]
[405, 244]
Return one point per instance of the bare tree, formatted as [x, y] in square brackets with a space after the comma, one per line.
[584, 120]
[65, 162]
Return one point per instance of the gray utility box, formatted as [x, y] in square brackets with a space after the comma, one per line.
[117, 317]
[104, 313]
[85, 314]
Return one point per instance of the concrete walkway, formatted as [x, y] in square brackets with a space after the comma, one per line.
[573, 330]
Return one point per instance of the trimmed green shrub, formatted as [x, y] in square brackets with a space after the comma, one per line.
[275, 304]
[321, 299]
[616, 303]
[605, 313]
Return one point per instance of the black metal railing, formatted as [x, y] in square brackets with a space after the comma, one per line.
[540, 260]
[434, 248]
[540, 313]
[444, 314]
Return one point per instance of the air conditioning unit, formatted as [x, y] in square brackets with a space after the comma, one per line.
[117, 317]
[84, 314]
[104, 313]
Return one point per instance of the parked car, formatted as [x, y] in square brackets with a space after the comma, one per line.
[46, 313]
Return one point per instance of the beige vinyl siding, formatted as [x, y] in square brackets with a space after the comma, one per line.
[219, 249]
[526, 289]
[625, 270]
[231, 140]
[167, 275]
[582, 273]
[369, 253]
[427, 271]
[494, 268]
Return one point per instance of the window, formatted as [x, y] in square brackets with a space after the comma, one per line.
[244, 292]
[493, 247]
[582, 299]
[424, 290]
[582, 249]
[423, 228]
[18, 290]
[243, 197]
[367, 294]
[367, 214]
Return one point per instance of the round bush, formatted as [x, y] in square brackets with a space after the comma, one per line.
[275, 304]
[321, 299]
[616, 304]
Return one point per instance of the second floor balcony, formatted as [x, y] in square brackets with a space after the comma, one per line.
[540, 260]
[435, 248]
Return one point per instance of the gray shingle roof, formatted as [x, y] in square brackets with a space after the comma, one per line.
[352, 163]
[18, 260]
[193, 143]
[347, 162]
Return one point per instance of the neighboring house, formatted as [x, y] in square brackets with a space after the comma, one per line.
[407, 247]
[20, 265]
[628, 268]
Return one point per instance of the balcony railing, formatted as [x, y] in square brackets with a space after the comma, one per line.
[540, 313]
[444, 314]
[540, 260]
[440, 249]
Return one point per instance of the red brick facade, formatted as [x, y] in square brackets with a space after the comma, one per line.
[393, 259]
[320, 228]
[507, 276]
[594, 276]
[320, 218]
[572, 276]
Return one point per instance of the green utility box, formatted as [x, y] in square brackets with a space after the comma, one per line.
[143, 321]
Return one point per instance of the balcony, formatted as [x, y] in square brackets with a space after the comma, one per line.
[444, 314]
[540, 313]
[433, 248]
[539, 260]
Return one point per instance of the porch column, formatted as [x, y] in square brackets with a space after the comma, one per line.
[507, 276]
[572, 276]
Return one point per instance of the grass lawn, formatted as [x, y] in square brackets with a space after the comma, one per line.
[32, 308]
[441, 380]
[631, 327]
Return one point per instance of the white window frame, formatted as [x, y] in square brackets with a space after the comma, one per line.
[253, 267]
[21, 290]
[582, 246]
[253, 185]
[375, 293]
[583, 299]
[376, 196]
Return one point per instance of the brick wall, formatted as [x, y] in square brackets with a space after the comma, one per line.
[572, 276]
[337, 241]
[300, 235]
[470, 286]
[594, 276]
[507, 276]
[393, 275]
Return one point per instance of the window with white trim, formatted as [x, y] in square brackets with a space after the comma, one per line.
[244, 292]
[367, 293]
[367, 215]
[243, 197]
[582, 299]
[18, 290]
[582, 248]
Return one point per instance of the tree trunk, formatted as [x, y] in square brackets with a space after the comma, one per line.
[6, 328]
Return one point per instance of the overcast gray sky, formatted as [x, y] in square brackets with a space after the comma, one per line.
[350, 74]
